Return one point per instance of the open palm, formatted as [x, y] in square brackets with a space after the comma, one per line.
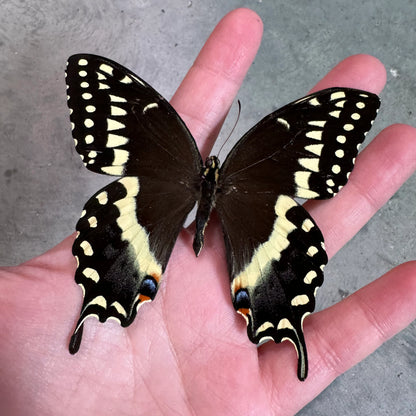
[187, 352]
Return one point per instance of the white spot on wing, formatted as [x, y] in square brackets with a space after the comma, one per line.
[113, 170]
[106, 68]
[117, 111]
[88, 123]
[314, 134]
[284, 123]
[102, 198]
[310, 276]
[150, 106]
[263, 327]
[92, 274]
[317, 123]
[316, 149]
[312, 250]
[300, 300]
[314, 101]
[284, 324]
[341, 139]
[307, 225]
[302, 179]
[310, 163]
[120, 157]
[114, 125]
[114, 140]
[92, 221]
[126, 80]
[119, 308]
[86, 247]
[337, 95]
[117, 99]
[336, 169]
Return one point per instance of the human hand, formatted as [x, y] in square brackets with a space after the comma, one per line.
[187, 352]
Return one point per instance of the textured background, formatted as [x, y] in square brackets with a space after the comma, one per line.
[43, 184]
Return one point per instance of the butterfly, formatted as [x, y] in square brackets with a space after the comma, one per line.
[275, 252]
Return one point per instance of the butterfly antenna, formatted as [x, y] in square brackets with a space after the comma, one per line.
[232, 130]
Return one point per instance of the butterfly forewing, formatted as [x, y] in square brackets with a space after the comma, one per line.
[306, 149]
[121, 125]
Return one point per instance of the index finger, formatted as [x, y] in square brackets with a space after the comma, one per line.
[209, 88]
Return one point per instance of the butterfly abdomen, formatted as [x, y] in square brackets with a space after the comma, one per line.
[208, 188]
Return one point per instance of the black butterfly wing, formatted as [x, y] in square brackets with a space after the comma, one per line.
[121, 126]
[310, 144]
[275, 251]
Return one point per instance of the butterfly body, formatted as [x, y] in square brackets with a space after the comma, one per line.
[275, 251]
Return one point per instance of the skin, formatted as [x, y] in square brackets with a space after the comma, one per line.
[187, 352]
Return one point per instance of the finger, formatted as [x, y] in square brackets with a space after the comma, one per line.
[343, 335]
[208, 89]
[384, 165]
[358, 71]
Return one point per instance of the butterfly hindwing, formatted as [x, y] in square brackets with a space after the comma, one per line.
[274, 286]
[124, 240]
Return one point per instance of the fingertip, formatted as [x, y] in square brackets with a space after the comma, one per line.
[359, 71]
[207, 91]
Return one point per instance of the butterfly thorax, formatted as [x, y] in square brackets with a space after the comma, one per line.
[208, 188]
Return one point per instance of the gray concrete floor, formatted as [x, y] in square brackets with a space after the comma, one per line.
[43, 184]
